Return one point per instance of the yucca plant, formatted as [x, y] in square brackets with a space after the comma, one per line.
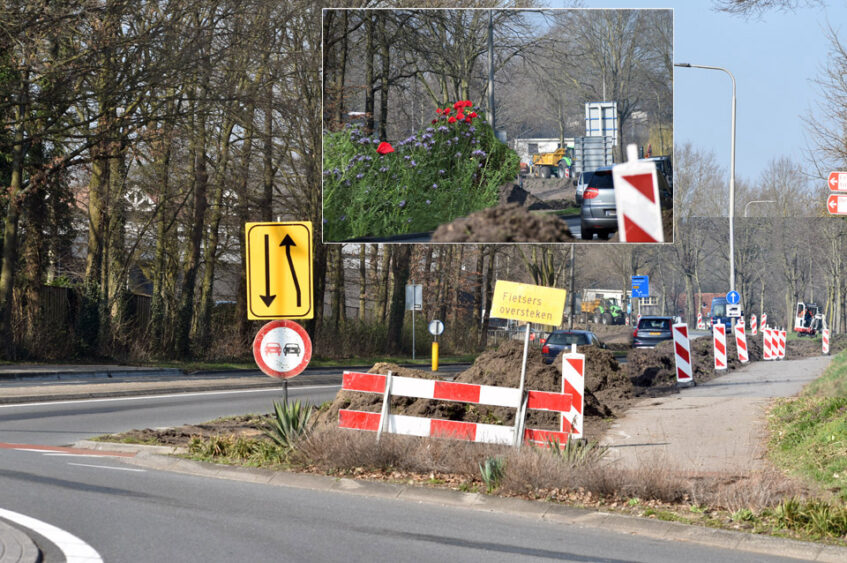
[289, 423]
[492, 470]
[577, 452]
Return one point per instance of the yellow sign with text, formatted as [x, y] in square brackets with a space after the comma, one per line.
[528, 303]
[279, 270]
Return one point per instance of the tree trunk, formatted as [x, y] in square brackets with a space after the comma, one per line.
[400, 269]
[383, 88]
[370, 53]
[382, 295]
[363, 281]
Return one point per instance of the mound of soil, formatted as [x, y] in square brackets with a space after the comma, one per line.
[513, 193]
[504, 223]
[500, 367]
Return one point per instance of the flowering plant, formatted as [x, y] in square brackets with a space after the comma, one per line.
[445, 170]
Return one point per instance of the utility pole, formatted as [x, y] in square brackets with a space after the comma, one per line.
[491, 70]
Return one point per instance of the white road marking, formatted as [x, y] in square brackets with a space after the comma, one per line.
[108, 467]
[36, 450]
[170, 396]
[63, 454]
[74, 549]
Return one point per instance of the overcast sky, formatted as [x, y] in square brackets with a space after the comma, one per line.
[775, 89]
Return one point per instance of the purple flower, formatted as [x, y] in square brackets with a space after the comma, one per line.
[384, 169]
[435, 186]
[343, 217]
[455, 139]
[364, 141]
[430, 130]
[359, 176]
[443, 129]
[458, 155]
[472, 129]
[407, 157]
[479, 152]
[409, 220]
[442, 172]
[428, 202]
[402, 203]
[413, 164]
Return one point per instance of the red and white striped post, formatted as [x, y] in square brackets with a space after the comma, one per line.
[764, 320]
[741, 342]
[719, 341]
[781, 336]
[825, 342]
[573, 384]
[700, 325]
[637, 199]
[753, 327]
[767, 344]
[682, 354]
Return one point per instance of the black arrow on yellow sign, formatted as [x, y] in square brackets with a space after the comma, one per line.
[267, 297]
[288, 242]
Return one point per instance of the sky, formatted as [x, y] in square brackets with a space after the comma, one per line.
[775, 87]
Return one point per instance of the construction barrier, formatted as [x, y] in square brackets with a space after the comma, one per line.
[764, 320]
[637, 199]
[719, 340]
[753, 327]
[781, 336]
[740, 322]
[825, 342]
[768, 344]
[390, 385]
[700, 324]
[741, 342]
[682, 353]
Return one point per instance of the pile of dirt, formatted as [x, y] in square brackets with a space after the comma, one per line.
[513, 193]
[246, 425]
[500, 367]
[504, 223]
[606, 379]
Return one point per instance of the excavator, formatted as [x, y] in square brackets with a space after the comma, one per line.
[808, 319]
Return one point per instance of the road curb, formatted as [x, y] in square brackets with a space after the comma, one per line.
[16, 546]
[150, 457]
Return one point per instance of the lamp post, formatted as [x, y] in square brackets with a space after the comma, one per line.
[731, 176]
[757, 201]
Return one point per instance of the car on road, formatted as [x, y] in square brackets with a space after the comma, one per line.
[581, 183]
[291, 349]
[651, 330]
[598, 214]
[563, 339]
[273, 348]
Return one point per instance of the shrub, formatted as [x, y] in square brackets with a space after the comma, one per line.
[445, 171]
[289, 424]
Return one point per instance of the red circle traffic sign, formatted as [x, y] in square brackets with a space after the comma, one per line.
[282, 349]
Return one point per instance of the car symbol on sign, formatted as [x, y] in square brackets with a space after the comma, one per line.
[292, 349]
[273, 348]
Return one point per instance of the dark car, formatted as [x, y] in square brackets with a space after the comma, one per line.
[652, 330]
[563, 339]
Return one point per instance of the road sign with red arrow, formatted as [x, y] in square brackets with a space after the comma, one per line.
[838, 181]
[837, 204]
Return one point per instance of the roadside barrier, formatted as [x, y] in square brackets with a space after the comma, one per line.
[570, 407]
[719, 340]
[700, 324]
[740, 322]
[764, 320]
[753, 328]
[682, 353]
[768, 344]
[741, 343]
[781, 336]
[825, 342]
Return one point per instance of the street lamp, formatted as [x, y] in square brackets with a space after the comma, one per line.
[731, 176]
[757, 201]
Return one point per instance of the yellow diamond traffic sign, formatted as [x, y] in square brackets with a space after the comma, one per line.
[279, 270]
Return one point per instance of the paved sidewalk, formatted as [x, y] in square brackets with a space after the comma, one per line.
[16, 546]
[722, 422]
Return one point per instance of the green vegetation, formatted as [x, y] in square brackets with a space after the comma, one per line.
[492, 471]
[833, 382]
[290, 423]
[448, 170]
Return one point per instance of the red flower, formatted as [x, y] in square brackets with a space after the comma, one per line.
[384, 148]
[437, 110]
[472, 114]
[451, 119]
[467, 120]
[461, 116]
[447, 111]
[458, 105]
[434, 121]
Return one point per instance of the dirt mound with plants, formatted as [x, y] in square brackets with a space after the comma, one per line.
[502, 368]
[504, 223]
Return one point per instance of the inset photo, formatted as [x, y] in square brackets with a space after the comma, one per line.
[478, 125]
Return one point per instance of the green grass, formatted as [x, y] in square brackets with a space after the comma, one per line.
[566, 212]
[833, 382]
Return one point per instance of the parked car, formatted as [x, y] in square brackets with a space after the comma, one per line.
[652, 330]
[598, 214]
[581, 183]
[563, 339]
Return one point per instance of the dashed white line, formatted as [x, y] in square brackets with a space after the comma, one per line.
[74, 549]
[108, 467]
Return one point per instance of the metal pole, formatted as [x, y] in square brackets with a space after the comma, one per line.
[573, 297]
[285, 392]
[757, 201]
[491, 70]
[518, 412]
[731, 176]
[413, 334]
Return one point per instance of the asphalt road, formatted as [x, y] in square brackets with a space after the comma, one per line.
[128, 513]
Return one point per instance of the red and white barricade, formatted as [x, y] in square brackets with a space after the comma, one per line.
[825, 342]
[638, 319]
[741, 342]
[764, 320]
[740, 322]
[682, 353]
[719, 341]
[389, 385]
[781, 336]
[626, 320]
[573, 385]
[753, 327]
[637, 199]
[768, 344]
[700, 324]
